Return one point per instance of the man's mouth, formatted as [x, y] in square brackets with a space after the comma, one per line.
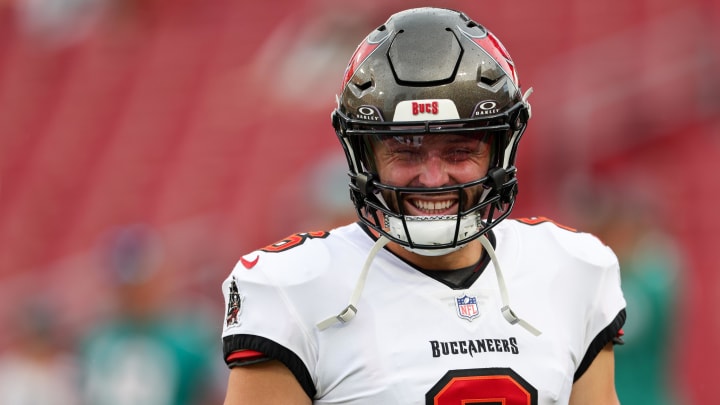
[432, 207]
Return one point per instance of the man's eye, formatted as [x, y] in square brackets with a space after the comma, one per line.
[406, 152]
[458, 154]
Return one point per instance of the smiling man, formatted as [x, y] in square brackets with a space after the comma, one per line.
[434, 296]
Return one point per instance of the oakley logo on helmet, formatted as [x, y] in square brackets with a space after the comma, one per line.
[425, 110]
[486, 108]
[369, 113]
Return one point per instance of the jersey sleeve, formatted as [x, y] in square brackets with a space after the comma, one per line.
[594, 302]
[607, 313]
[261, 322]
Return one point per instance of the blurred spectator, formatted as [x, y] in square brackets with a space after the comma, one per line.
[154, 348]
[319, 194]
[60, 22]
[37, 368]
[628, 220]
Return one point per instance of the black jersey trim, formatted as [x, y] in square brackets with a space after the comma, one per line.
[272, 350]
[461, 279]
[607, 335]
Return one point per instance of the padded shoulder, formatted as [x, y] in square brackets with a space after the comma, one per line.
[580, 245]
[299, 257]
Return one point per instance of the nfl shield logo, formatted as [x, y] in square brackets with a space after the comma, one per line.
[467, 307]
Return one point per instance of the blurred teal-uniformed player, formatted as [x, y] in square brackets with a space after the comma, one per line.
[154, 348]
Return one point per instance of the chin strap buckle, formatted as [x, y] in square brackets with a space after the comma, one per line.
[513, 319]
[347, 314]
[509, 315]
[343, 317]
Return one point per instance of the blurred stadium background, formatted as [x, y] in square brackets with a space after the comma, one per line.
[209, 122]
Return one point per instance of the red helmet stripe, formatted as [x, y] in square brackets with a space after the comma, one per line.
[361, 53]
[497, 51]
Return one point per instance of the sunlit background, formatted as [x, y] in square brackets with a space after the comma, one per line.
[145, 145]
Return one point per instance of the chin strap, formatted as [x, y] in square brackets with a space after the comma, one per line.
[525, 98]
[507, 312]
[347, 314]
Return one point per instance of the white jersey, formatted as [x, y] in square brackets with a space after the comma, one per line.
[415, 340]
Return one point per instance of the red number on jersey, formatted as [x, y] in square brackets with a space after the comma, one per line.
[482, 385]
[294, 240]
[540, 220]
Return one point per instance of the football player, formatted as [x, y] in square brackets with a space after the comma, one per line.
[434, 296]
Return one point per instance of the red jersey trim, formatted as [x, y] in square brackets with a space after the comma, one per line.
[244, 355]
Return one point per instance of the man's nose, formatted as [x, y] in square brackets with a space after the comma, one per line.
[433, 172]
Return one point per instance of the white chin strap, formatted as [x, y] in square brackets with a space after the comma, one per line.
[507, 312]
[437, 230]
[347, 314]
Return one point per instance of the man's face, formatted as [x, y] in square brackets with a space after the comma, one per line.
[429, 161]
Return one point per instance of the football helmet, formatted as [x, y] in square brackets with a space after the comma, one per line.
[427, 73]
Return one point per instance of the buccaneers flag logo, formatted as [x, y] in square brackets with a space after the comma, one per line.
[234, 305]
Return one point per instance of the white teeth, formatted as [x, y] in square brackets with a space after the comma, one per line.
[433, 205]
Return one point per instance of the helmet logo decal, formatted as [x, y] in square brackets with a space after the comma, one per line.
[369, 113]
[467, 307]
[425, 110]
[486, 107]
